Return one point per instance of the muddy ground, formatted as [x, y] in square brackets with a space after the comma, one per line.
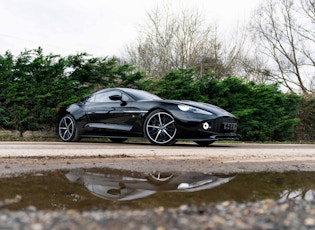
[226, 158]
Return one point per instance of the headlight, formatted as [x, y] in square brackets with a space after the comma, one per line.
[187, 108]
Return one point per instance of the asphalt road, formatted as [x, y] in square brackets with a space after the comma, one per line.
[18, 157]
[88, 149]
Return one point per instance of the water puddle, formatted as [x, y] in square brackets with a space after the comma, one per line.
[103, 188]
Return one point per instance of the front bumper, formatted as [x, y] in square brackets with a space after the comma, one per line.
[222, 128]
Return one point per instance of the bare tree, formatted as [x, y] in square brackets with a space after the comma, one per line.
[178, 40]
[235, 53]
[286, 41]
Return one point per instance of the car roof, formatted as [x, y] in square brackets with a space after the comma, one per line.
[134, 93]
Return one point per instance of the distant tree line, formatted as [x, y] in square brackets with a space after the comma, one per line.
[33, 85]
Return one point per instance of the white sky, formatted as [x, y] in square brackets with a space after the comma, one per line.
[98, 27]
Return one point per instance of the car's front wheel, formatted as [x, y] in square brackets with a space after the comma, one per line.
[160, 128]
[67, 129]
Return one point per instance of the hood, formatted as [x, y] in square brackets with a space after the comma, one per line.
[208, 107]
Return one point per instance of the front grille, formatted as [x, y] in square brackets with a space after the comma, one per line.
[218, 126]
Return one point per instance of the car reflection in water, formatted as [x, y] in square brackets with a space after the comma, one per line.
[299, 194]
[131, 186]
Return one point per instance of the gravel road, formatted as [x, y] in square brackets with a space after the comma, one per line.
[20, 157]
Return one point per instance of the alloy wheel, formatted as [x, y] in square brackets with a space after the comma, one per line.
[160, 128]
[67, 128]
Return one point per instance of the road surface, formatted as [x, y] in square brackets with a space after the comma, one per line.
[18, 157]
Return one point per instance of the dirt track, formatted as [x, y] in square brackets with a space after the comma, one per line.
[19, 157]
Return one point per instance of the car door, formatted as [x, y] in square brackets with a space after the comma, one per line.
[106, 112]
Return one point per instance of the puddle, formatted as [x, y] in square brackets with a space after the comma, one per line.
[103, 188]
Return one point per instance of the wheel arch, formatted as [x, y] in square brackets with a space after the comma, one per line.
[154, 109]
[74, 110]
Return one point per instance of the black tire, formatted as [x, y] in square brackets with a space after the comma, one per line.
[117, 140]
[67, 129]
[160, 128]
[204, 143]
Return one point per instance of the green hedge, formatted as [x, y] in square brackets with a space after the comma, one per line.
[263, 111]
[33, 85]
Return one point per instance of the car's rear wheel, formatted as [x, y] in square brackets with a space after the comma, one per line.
[204, 143]
[160, 128]
[67, 129]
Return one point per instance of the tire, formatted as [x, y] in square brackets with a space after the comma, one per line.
[117, 140]
[204, 143]
[67, 129]
[160, 128]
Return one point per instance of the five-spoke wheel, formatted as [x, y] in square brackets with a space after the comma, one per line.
[159, 128]
[67, 129]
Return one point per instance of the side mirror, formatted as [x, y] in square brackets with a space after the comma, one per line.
[116, 98]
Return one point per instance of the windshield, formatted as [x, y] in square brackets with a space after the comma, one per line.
[141, 95]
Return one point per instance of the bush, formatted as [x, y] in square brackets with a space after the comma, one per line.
[263, 111]
[178, 84]
[34, 85]
[305, 129]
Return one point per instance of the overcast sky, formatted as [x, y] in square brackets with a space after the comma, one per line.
[98, 27]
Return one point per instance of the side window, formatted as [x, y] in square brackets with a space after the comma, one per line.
[126, 97]
[104, 97]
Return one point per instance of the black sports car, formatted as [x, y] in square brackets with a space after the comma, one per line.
[124, 185]
[121, 113]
